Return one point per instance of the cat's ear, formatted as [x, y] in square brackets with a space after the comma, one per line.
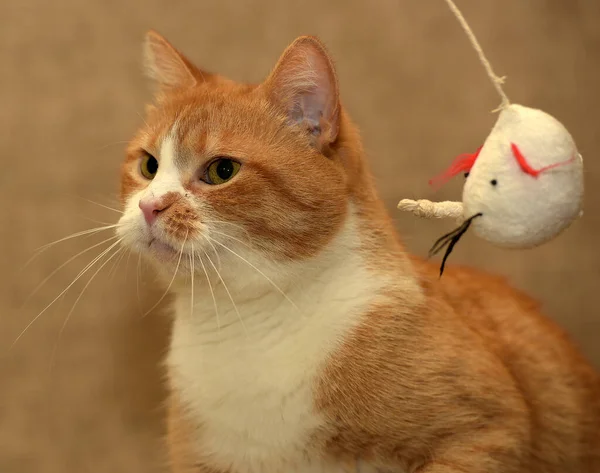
[166, 66]
[305, 84]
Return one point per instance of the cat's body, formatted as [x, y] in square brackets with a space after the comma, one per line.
[256, 394]
[308, 341]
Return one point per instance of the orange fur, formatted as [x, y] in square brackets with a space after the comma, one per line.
[461, 374]
[478, 368]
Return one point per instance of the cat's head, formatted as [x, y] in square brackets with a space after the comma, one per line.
[221, 169]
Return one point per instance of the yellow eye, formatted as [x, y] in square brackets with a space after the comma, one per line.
[148, 166]
[222, 170]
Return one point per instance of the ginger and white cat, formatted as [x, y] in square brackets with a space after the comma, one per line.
[305, 339]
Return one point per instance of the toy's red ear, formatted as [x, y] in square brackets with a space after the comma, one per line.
[526, 167]
[462, 163]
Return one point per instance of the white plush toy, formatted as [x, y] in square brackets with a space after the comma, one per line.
[524, 185]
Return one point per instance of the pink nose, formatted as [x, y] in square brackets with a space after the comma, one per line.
[152, 206]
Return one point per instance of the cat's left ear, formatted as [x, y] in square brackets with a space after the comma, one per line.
[305, 84]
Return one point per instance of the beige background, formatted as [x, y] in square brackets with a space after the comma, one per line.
[71, 92]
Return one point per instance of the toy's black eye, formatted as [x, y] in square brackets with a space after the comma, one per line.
[466, 175]
[493, 182]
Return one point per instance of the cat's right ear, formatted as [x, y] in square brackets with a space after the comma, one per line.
[166, 66]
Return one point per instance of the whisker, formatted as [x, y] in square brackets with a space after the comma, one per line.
[102, 205]
[222, 222]
[228, 293]
[127, 262]
[39, 286]
[78, 234]
[212, 293]
[192, 281]
[215, 251]
[113, 270]
[94, 220]
[451, 239]
[453, 242]
[172, 279]
[37, 252]
[232, 238]
[143, 119]
[112, 200]
[81, 273]
[442, 241]
[258, 270]
[137, 282]
[102, 148]
[67, 318]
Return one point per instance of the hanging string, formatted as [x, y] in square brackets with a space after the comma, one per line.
[496, 81]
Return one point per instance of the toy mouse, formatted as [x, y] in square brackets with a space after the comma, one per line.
[524, 186]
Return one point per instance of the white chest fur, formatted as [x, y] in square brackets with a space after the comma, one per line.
[252, 387]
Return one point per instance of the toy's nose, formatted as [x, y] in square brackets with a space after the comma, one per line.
[152, 206]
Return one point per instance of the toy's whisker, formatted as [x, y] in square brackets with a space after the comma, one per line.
[443, 241]
[453, 242]
[450, 240]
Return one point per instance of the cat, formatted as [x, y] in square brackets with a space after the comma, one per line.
[305, 339]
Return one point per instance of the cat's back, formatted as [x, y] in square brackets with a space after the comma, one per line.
[560, 388]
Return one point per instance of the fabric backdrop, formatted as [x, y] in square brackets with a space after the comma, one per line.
[83, 392]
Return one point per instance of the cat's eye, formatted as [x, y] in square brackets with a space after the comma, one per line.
[221, 170]
[148, 166]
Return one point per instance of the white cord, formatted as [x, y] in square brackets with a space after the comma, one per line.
[496, 81]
